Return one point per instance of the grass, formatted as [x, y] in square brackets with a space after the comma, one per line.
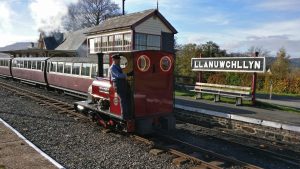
[279, 94]
[248, 103]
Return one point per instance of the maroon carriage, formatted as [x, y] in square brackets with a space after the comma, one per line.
[149, 93]
[29, 70]
[5, 67]
[72, 74]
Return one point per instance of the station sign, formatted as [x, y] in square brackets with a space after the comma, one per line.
[230, 64]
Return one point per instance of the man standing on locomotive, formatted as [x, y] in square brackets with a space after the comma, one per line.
[118, 79]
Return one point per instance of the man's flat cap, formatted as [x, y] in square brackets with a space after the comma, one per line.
[116, 56]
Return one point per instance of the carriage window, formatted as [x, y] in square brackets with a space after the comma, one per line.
[38, 65]
[143, 63]
[67, 68]
[21, 64]
[85, 70]
[94, 70]
[43, 65]
[76, 68]
[53, 66]
[1, 62]
[165, 63]
[13, 63]
[25, 64]
[33, 65]
[48, 66]
[29, 64]
[60, 67]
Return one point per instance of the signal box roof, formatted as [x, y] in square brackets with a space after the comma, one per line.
[129, 21]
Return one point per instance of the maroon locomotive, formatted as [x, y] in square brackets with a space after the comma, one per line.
[149, 93]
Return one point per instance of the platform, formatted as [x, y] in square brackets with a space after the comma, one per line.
[266, 117]
[16, 152]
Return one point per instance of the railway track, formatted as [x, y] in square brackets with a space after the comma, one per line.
[62, 107]
[207, 158]
[277, 151]
[185, 152]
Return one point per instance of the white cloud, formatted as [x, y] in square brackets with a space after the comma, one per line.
[271, 36]
[7, 33]
[281, 5]
[5, 16]
[48, 14]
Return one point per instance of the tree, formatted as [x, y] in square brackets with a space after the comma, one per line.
[183, 59]
[262, 52]
[211, 49]
[280, 68]
[88, 13]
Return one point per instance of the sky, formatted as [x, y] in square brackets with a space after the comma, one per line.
[235, 25]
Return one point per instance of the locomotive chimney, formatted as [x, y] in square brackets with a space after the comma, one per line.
[123, 7]
[100, 64]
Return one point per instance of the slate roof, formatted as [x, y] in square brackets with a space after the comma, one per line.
[128, 21]
[4, 55]
[73, 40]
[18, 46]
[50, 43]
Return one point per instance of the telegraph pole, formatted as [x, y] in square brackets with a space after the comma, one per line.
[123, 7]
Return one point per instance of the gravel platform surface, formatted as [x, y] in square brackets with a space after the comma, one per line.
[75, 144]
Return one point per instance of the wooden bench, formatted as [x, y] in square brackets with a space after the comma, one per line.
[237, 92]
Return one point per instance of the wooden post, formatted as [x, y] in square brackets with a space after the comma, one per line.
[199, 95]
[253, 86]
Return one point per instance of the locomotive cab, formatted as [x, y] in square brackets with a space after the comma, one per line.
[149, 93]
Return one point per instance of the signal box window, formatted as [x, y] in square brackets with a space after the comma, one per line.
[104, 43]
[76, 68]
[85, 70]
[127, 42]
[146, 41]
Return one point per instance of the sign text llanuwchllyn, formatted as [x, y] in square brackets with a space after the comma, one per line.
[229, 64]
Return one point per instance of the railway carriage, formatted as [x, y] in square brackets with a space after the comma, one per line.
[30, 70]
[72, 74]
[5, 67]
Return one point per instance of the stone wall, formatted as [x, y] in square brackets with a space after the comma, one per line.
[270, 133]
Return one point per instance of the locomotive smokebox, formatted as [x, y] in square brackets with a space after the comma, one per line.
[100, 64]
